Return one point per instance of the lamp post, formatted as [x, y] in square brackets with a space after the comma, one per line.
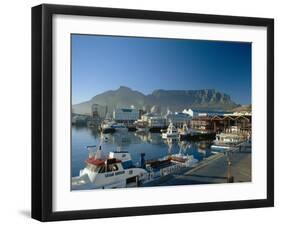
[230, 178]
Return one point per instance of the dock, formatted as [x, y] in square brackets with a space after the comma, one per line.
[214, 169]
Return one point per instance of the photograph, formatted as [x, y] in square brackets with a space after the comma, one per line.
[149, 111]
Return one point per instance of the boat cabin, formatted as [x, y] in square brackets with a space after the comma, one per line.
[103, 166]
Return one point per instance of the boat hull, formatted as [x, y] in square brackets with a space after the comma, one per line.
[108, 130]
[198, 137]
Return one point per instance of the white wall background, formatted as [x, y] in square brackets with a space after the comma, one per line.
[15, 118]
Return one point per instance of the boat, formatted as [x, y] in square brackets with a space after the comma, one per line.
[113, 171]
[168, 165]
[141, 126]
[185, 159]
[119, 127]
[228, 141]
[188, 160]
[171, 132]
[110, 126]
[106, 126]
[195, 135]
[116, 170]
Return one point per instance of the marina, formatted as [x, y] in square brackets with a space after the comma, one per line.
[213, 170]
[114, 156]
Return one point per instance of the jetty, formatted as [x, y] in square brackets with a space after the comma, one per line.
[223, 167]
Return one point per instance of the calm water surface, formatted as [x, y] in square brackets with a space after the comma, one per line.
[151, 144]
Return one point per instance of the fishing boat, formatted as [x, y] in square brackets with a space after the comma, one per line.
[119, 127]
[194, 135]
[187, 160]
[171, 132]
[116, 170]
[168, 165]
[113, 171]
[227, 141]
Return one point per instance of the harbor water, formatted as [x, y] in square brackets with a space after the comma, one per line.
[135, 143]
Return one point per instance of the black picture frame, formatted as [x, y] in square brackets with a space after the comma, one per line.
[42, 111]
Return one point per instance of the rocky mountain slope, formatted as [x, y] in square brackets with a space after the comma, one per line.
[174, 100]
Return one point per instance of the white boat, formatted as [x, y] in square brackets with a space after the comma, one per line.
[171, 132]
[169, 165]
[187, 160]
[114, 171]
[117, 170]
[228, 141]
[119, 127]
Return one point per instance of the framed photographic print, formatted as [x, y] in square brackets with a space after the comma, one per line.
[145, 112]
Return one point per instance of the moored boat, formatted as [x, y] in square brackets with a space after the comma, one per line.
[227, 141]
[116, 170]
[113, 171]
[119, 127]
[171, 132]
[195, 135]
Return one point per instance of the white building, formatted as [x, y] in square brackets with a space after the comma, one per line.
[192, 113]
[125, 114]
[147, 116]
[178, 118]
[241, 113]
[198, 113]
[156, 122]
[152, 120]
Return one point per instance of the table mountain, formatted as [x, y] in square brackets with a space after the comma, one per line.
[174, 100]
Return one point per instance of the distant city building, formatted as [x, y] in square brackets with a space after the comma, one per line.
[152, 120]
[219, 123]
[157, 122]
[240, 113]
[79, 119]
[147, 116]
[194, 113]
[125, 114]
[198, 113]
[97, 109]
[95, 117]
[141, 112]
[178, 118]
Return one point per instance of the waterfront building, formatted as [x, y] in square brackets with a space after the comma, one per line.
[79, 119]
[126, 115]
[178, 118]
[98, 110]
[95, 117]
[190, 112]
[157, 122]
[147, 116]
[204, 113]
[152, 120]
[240, 113]
[223, 123]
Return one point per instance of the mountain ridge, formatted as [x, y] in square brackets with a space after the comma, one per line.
[174, 100]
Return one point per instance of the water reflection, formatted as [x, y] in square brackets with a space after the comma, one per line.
[136, 143]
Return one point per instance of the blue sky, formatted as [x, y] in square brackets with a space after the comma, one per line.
[102, 63]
